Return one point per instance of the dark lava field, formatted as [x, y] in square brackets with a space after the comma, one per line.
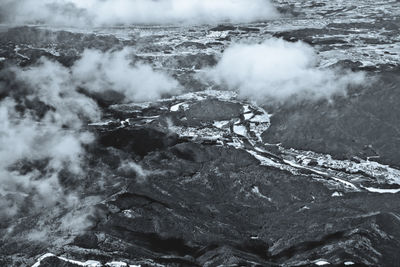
[269, 142]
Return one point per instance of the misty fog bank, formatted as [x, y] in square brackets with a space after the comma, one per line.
[125, 12]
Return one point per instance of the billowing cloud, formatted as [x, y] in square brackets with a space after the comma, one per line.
[113, 12]
[44, 112]
[278, 70]
[33, 154]
[97, 72]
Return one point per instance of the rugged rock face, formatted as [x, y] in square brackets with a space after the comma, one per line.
[363, 124]
[200, 203]
[205, 177]
[26, 45]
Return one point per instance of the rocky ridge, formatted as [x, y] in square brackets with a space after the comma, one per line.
[208, 178]
[212, 150]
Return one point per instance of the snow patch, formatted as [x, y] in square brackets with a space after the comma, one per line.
[217, 34]
[324, 174]
[117, 264]
[91, 263]
[130, 214]
[246, 109]
[37, 264]
[337, 194]
[240, 130]
[322, 263]
[257, 192]
[248, 116]
[220, 124]
[176, 107]
[264, 118]
[382, 190]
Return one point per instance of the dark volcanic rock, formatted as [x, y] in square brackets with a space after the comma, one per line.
[365, 123]
[32, 43]
[311, 35]
[55, 261]
[223, 28]
[87, 240]
[203, 205]
[62, 39]
[217, 195]
[199, 153]
[267, 219]
[105, 98]
[249, 29]
[210, 110]
[189, 61]
[139, 141]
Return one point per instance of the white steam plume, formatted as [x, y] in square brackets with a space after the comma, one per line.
[278, 70]
[25, 140]
[36, 148]
[112, 12]
[98, 72]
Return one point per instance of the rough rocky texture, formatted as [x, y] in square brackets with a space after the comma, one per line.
[170, 187]
[202, 204]
[364, 123]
